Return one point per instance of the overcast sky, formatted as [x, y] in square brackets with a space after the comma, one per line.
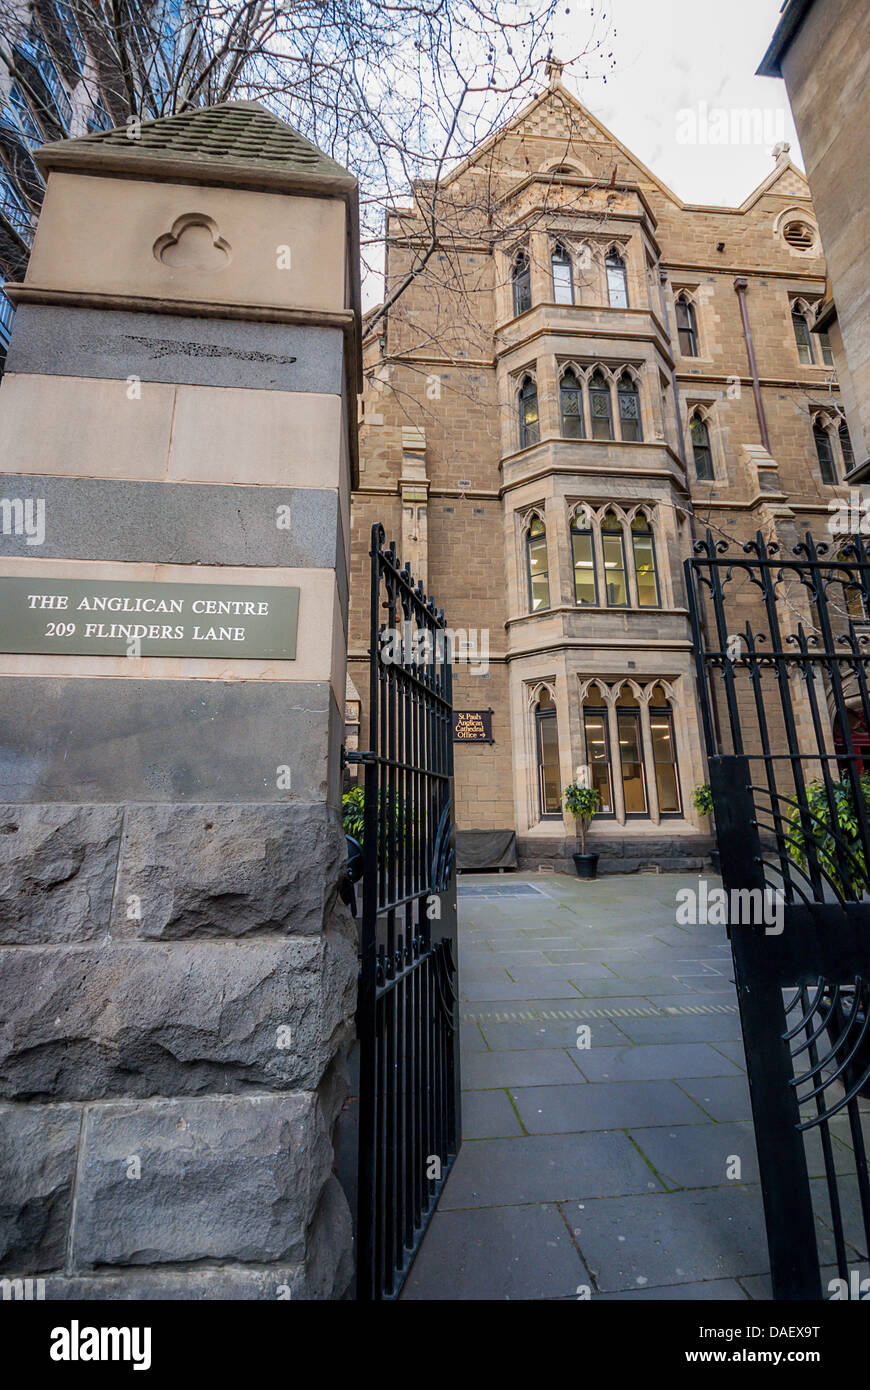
[685, 69]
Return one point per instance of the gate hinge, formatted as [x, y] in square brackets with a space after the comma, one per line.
[351, 756]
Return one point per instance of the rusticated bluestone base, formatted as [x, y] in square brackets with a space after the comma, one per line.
[661, 853]
[177, 988]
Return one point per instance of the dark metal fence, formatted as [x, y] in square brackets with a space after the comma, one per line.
[407, 1015]
[781, 650]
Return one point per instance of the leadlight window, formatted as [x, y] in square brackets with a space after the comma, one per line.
[571, 403]
[701, 448]
[522, 284]
[824, 452]
[629, 408]
[687, 327]
[529, 424]
[802, 336]
[600, 407]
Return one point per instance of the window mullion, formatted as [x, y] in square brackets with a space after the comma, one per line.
[652, 791]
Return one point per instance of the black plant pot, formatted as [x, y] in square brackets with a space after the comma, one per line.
[586, 865]
[714, 860]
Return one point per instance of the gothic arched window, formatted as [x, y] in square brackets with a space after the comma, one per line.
[644, 552]
[521, 277]
[617, 282]
[529, 425]
[824, 451]
[687, 327]
[583, 556]
[571, 406]
[661, 726]
[701, 448]
[629, 408]
[600, 407]
[537, 565]
[802, 335]
[563, 276]
[613, 549]
[547, 741]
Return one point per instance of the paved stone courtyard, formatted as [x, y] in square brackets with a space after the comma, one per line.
[603, 1167]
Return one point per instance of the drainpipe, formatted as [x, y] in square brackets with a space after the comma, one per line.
[702, 617]
[741, 284]
[675, 395]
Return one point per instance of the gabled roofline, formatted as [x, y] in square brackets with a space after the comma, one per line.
[559, 87]
[786, 167]
[556, 87]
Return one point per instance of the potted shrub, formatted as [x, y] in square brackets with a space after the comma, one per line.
[702, 800]
[842, 861]
[583, 803]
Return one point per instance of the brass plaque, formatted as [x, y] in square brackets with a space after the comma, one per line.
[107, 617]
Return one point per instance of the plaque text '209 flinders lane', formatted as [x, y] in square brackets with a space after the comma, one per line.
[83, 617]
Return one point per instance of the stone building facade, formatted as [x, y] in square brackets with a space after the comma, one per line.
[585, 375]
[823, 54]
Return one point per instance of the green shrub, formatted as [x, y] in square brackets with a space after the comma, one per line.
[842, 859]
[583, 803]
[353, 814]
[702, 799]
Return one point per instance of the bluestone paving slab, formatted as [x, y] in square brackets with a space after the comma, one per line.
[576, 970]
[518, 1036]
[565, 957]
[850, 1208]
[523, 1252]
[642, 968]
[732, 1048]
[488, 1115]
[722, 1097]
[648, 1062]
[709, 984]
[503, 990]
[665, 1104]
[758, 1286]
[593, 1106]
[706, 1291]
[551, 1168]
[634, 989]
[700, 1155]
[671, 1238]
[531, 1067]
[471, 1039]
[684, 1002]
[683, 1028]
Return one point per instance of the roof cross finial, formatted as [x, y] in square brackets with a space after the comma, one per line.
[553, 68]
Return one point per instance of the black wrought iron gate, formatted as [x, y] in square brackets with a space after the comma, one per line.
[407, 1012]
[781, 650]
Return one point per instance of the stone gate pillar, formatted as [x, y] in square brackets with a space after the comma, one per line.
[177, 977]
